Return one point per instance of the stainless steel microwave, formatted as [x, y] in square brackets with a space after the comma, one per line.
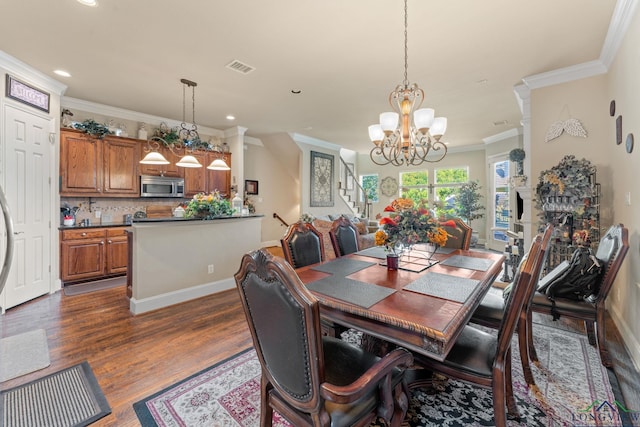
[161, 186]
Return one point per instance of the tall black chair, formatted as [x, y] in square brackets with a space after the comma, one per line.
[302, 245]
[612, 250]
[344, 237]
[309, 379]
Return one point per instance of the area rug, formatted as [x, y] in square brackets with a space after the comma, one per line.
[67, 398]
[23, 353]
[573, 388]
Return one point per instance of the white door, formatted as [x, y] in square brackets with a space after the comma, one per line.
[500, 204]
[27, 184]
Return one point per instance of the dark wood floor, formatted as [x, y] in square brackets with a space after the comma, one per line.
[131, 356]
[136, 356]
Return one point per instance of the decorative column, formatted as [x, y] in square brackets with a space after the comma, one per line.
[523, 94]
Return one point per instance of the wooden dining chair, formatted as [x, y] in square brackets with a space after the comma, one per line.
[309, 379]
[483, 358]
[491, 310]
[460, 235]
[344, 237]
[612, 250]
[302, 245]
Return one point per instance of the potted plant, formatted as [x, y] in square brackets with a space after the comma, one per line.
[517, 155]
[468, 205]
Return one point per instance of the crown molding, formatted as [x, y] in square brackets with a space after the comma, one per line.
[620, 21]
[511, 133]
[22, 71]
[299, 138]
[566, 74]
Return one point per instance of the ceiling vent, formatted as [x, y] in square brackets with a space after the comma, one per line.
[240, 67]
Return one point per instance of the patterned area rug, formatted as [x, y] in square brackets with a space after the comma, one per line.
[574, 389]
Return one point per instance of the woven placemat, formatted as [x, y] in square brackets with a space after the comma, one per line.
[351, 291]
[472, 263]
[374, 252]
[343, 266]
[443, 286]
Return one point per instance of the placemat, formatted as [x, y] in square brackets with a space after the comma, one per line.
[374, 252]
[462, 261]
[351, 291]
[443, 286]
[446, 251]
[343, 266]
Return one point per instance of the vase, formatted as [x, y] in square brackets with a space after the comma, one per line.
[392, 261]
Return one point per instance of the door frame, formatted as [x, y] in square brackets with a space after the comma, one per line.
[491, 205]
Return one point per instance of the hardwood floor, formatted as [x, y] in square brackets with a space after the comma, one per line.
[136, 356]
[131, 356]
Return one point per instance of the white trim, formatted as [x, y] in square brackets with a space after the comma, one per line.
[299, 138]
[511, 133]
[31, 75]
[164, 300]
[566, 74]
[620, 20]
[628, 337]
[106, 110]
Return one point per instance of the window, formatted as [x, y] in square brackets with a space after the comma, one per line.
[370, 185]
[415, 186]
[446, 185]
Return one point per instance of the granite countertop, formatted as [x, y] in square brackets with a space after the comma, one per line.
[176, 219]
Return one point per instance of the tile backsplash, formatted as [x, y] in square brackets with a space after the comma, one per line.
[112, 210]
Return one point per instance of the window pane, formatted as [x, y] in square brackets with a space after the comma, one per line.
[370, 185]
[501, 206]
[445, 195]
[409, 179]
[414, 186]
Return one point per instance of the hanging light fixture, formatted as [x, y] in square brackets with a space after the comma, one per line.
[419, 133]
[185, 138]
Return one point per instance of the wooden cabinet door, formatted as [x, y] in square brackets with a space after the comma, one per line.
[121, 157]
[82, 259]
[117, 251]
[195, 179]
[80, 164]
[163, 170]
[219, 180]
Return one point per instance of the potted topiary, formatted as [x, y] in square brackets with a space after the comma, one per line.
[517, 155]
[468, 205]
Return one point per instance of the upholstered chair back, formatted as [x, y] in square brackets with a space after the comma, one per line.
[344, 237]
[302, 245]
[460, 235]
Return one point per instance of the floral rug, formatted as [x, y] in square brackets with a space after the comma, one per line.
[573, 389]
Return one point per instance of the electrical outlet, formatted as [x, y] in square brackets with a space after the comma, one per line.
[98, 214]
[210, 269]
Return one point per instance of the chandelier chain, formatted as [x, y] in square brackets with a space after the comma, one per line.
[406, 48]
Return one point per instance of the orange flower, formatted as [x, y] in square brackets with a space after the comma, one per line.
[388, 221]
[449, 223]
[389, 209]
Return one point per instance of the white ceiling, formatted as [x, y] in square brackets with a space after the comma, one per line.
[345, 56]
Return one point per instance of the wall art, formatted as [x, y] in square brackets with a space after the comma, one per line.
[321, 179]
[22, 92]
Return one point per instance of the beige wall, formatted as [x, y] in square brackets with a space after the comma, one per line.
[588, 100]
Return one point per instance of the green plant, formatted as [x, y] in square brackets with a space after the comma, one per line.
[208, 206]
[93, 128]
[468, 205]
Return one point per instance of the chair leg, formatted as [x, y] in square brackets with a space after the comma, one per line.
[512, 408]
[266, 411]
[401, 405]
[523, 346]
[588, 325]
[602, 340]
[533, 356]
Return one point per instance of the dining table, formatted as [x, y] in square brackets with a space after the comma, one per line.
[422, 306]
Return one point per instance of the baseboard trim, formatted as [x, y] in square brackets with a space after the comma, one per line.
[138, 306]
[630, 341]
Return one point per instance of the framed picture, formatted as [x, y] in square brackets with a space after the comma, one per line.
[22, 92]
[321, 179]
[250, 187]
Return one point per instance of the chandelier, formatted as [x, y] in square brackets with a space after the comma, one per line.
[419, 132]
[184, 140]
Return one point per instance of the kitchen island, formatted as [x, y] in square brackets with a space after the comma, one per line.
[174, 260]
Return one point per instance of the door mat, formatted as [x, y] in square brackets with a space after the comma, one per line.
[23, 353]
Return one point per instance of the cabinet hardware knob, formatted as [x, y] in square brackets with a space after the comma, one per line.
[109, 241]
[102, 242]
[83, 234]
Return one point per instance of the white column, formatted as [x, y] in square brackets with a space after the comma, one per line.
[523, 94]
[235, 138]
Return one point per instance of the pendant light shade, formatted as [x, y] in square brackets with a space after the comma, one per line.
[154, 158]
[219, 165]
[189, 161]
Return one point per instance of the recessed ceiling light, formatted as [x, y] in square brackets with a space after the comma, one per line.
[231, 117]
[62, 73]
[92, 3]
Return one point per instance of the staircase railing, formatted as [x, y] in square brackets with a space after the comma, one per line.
[358, 195]
[279, 218]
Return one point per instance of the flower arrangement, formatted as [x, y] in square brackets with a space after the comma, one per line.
[306, 217]
[407, 225]
[208, 206]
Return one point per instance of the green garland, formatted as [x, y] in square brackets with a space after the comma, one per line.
[93, 128]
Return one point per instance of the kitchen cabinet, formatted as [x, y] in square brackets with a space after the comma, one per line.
[95, 167]
[93, 253]
[219, 180]
[163, 170]
[195, 179]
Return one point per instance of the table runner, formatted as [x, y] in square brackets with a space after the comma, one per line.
[472, 263]
[343, 266]
[351, 291]
[443, 286]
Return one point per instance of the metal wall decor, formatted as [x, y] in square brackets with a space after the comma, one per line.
[629, 143]
[321, 179]
[389, 186]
